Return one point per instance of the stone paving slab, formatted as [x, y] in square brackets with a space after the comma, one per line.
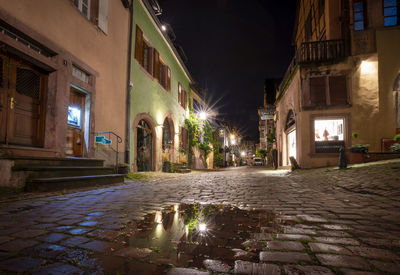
[346, 220]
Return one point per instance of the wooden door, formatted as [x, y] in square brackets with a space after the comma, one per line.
[3, 98]
[22, 103]
[76, 122]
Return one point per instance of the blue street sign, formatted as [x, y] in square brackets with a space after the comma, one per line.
[102, 140]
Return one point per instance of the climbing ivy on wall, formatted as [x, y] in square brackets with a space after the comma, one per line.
[198, 129]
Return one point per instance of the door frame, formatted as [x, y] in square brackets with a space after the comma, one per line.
[151, 123]
[87, 118]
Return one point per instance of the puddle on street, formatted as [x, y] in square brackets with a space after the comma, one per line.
[194, 235]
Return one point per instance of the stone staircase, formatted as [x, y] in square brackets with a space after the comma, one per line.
[38, 174]
[181, 168]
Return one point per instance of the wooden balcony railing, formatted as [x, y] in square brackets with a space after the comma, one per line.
[321, 51]
[314, 53]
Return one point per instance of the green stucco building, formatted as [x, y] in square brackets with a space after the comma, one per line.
[160, 85]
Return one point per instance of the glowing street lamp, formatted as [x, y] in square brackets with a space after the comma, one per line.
[243, 153]
[163, 28]
[203, 115]
[202, 227]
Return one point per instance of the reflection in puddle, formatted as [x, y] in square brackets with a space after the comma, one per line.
[187, 235]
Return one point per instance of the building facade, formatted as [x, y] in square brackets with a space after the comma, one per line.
[61, 79]
[159, 94]
[344, 79]
[266, 125]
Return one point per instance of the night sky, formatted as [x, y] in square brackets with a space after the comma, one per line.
[232, 46]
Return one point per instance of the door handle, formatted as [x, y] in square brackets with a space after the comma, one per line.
[12, 103]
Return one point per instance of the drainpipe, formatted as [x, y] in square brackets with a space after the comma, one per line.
[128, 88]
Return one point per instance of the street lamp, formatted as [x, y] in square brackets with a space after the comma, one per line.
[203, 115]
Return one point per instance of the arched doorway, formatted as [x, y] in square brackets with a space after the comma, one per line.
[167, 145]
[290, 130]
[144, 147]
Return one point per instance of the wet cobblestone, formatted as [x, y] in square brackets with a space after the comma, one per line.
[347, 221]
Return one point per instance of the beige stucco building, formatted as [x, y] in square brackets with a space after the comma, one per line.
[343, 79]
[64, 74]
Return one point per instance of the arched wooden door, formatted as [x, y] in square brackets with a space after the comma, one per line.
[144, 146]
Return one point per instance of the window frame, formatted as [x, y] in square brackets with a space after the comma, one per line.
[364, 15]
[80, 7]
[306, 102]
[397, 6]
[346, 131]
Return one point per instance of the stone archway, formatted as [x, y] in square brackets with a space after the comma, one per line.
[168, 139]
[144, 145]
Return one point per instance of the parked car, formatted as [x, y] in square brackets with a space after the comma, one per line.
[258, 162]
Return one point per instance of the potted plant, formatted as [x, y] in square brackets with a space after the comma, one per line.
[396, 147]
[357, 151]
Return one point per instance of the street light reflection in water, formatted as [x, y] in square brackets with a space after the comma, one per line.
[188, 234]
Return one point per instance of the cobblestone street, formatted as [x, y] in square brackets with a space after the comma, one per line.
[328, 221]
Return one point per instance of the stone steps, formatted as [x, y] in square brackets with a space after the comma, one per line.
[60, 183]
[64, 171]
[41, 174]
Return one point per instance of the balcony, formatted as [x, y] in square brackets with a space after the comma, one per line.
[321, 51]
[328, 51]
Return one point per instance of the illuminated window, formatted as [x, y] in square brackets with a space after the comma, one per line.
[74, 116]
[359, 16]
[390, 10]
[83, 6]
[328, 135]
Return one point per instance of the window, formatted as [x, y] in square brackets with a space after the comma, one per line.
[182, 97]
[359, 15]
[80, 74]
[180, 93]
[184, 139]
[164, 76]
[143, 52]
[390, 12]
[74, 116]
[196, 106]
[83, 6]
[328, 135]
[325, 91]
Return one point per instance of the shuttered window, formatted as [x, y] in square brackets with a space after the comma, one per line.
[149, 59]
[182, 96]
[94, 10]
[324, 91]
[143, 52]
[180, 93]
[317, 91]
[338, 90]
[184, 139]
[164, 76]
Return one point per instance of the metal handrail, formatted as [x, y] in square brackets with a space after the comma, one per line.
[119, 140]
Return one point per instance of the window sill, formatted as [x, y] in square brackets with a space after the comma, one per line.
[163, 88]
[324, 155]
[327, 107]
[145, 71]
